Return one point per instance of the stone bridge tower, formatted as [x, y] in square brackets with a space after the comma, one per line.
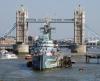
[21, 25]
[79, 33]
[21, 30]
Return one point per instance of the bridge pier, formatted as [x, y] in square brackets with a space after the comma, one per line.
[22, 48]
[80, 49]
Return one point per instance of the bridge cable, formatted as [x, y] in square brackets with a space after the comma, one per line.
[93, 32]
[10, 31]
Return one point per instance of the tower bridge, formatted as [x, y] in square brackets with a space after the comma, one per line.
[22, 21]
[78, 21]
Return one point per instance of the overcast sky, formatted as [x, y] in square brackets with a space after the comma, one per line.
[50, 8]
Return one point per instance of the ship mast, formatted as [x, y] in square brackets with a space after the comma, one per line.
[47, 29]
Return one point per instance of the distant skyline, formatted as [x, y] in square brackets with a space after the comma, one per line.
[50, 8]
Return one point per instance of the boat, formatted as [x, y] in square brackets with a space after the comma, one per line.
[4, 54]
[28, 58]
[45, 53]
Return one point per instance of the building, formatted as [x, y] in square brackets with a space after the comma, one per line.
[7, 43]
[92, 42]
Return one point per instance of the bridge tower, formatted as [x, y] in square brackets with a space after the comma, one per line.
[79, 25]
[21, 30]
[21, 25]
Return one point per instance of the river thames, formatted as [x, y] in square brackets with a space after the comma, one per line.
[16, 70]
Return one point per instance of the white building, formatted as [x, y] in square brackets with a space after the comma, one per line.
[93, 42]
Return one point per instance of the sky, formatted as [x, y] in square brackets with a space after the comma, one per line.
[50, 8]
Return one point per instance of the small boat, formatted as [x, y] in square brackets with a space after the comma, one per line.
[28, 58]
[4, 54]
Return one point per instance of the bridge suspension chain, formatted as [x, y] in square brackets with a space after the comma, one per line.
[10, 31]
[95, 34]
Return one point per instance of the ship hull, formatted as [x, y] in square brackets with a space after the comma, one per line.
[42, 62]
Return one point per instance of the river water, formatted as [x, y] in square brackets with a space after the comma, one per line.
[16, 70]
